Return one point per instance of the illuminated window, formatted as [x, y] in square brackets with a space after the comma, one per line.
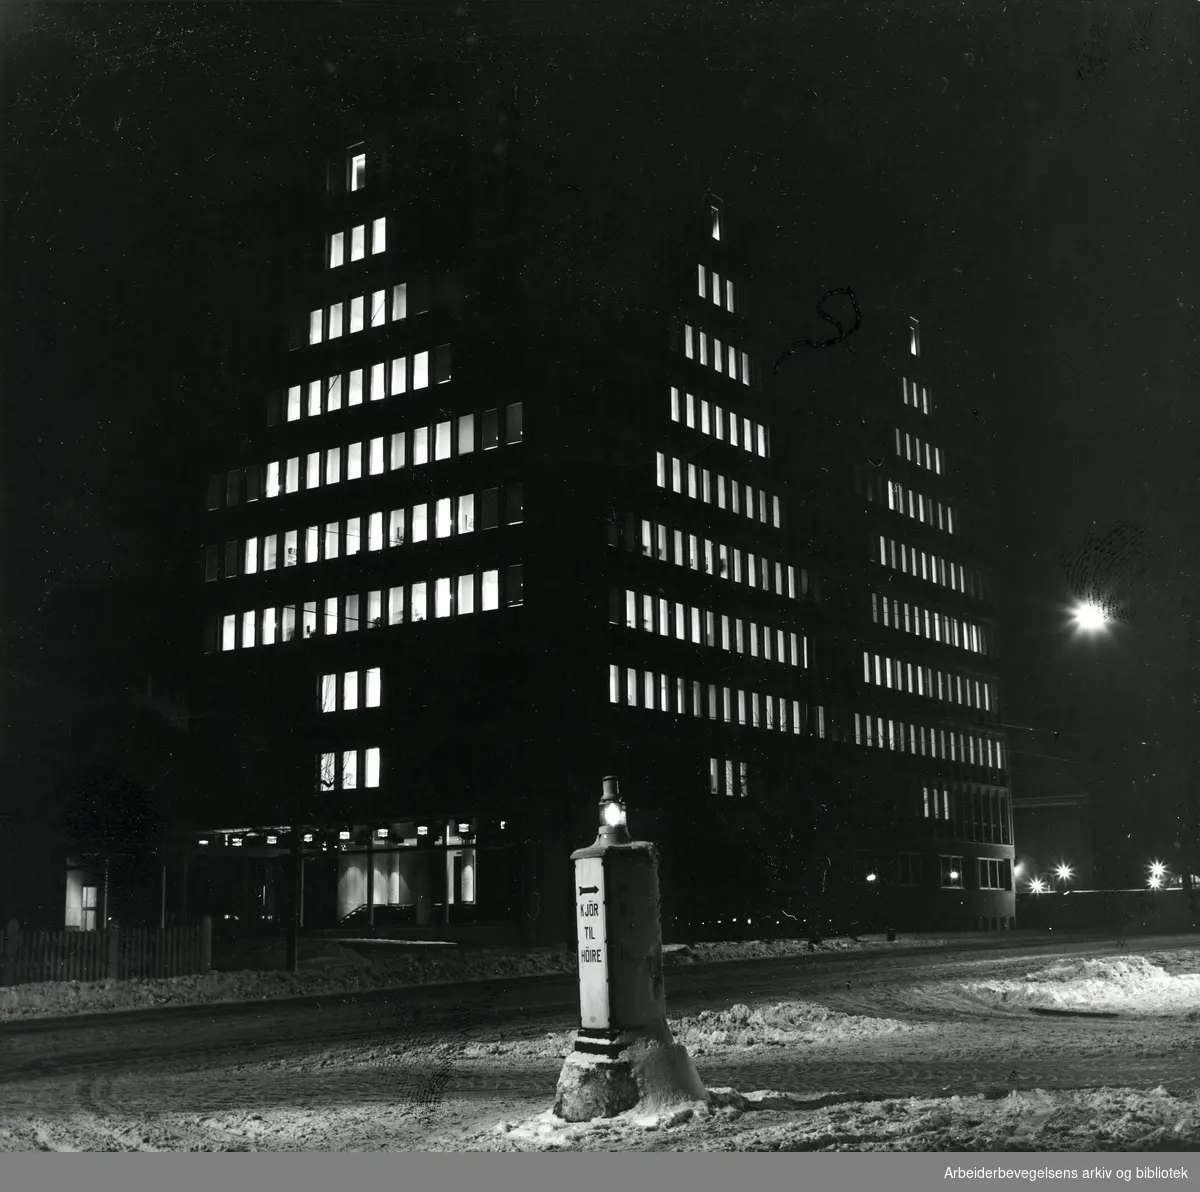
[311, 544]
[420, 446]
[353, 535]
[466, 434]
[376, 457]
[358, 239]
[356, 314]
[466, 513]
[716, 288]
[337, 249]
[290, 548]
[350, 622]
[308, 624]
[272, 487]
[371, 759]
[312, 470]
[331, 540]
[491, 591]
[421, 370]
[704, 348]
[396, 527]
[745, 368]
[420, 523]
[729, 296]
[349, 770]
[441, 598]
[268, 627]
[400, 301]
[443, 521]
[914, 337]
[315, 326]
[355, 394]
[441, 441]
[466, 594]
[375, 531]
[688, 349]
[700, 280]
[327, 772]
[333, 465]
[716, 223]
[333, 398]
[419, 602]
[379, 235]
[395, 605]
[614, 685]
[350, 691]
[379, 309]
[358, 171]
[354, 461]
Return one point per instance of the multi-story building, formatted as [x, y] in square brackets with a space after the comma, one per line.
[499, 533]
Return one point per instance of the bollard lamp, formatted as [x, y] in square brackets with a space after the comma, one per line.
[613, 829]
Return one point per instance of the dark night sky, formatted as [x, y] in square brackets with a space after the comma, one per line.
[1023, 173]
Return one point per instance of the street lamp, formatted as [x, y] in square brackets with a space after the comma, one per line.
[1157, 872]
[1037, 886]
[1064, 873]
[1090, 617]
[613, 828]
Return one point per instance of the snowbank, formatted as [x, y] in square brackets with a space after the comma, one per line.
[332, 967]
[1118, 1119]
[1123, 984]
[714, 1032]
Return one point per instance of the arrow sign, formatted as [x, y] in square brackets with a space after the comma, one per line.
[589, 889]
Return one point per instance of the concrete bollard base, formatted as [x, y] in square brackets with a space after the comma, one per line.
[652, 1074]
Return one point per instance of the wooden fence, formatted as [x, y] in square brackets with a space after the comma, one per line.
[114, 954]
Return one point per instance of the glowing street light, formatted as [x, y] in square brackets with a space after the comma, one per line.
[1157, 869]
[1064, 873]
[1037, 886]
[1089, 617]
[870, 877]
[1154, 882]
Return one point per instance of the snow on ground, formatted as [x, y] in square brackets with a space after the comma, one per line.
[713, 1032]
[1121, 984]
[337, 968]
[1090, 1120]
[877, 1075]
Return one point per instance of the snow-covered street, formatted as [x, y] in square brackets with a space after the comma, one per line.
[1092, 1048]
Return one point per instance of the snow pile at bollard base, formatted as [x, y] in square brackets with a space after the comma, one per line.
[651, 1076]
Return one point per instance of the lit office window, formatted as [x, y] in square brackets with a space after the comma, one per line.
[466, 594]
[268, 627]
[466, 434]
[350, 691]
[441, 598]
[441, 441]
[660, 474]
[379, 235]
[716, 288]
[688, 349]
[349, 770]
[335, 321]
[914, 337]
[614, 685]
[745, 368]
[379, 309]
[333, 396]
[376, 457]
[399, 376]
[311, 544]
[248, 629]
[398, 453]
[421, 370]
[700, 280]
[491, 591]
[729, 296]
[272, 485]
[314, 398]
[419, 602]
[315, 326]
[327, 771]
[251, 557]
[337, 249]
[371, 759]
[443, 521]
[350, 619]
[400, 301]
[355, 392]
[420, 523]
[353, 535]
[331, 616]
[354, 461]
[333, 465]
[358, 237]
[375, 531]
[308, 627]
[312, 470]
[356, 314]
[716, 223]
[331, 540]
[704, 348]
[466, 513]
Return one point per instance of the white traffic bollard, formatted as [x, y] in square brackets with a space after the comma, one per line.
[624, 1055]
